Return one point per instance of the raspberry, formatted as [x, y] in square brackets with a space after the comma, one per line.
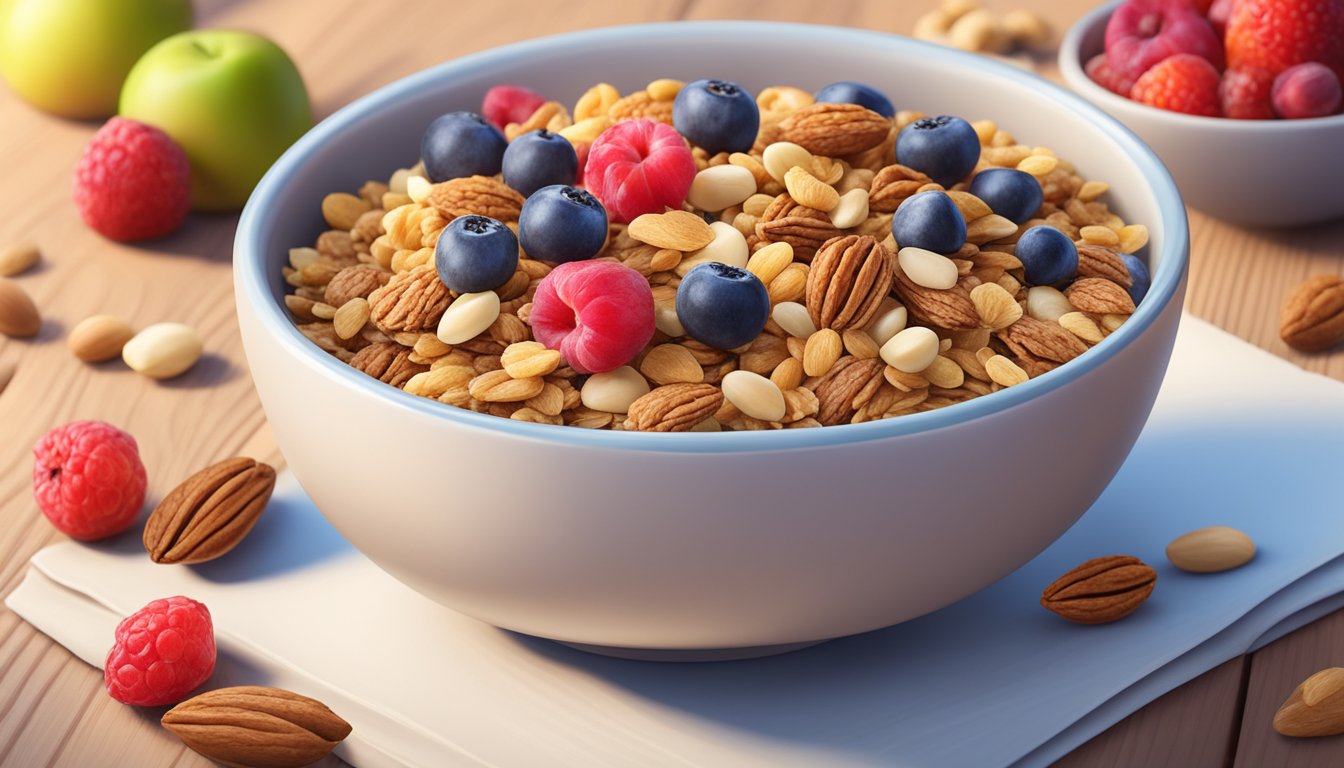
[1306, 90]
[1276, 34]
[1244, 94]
[1101, 73]
[162, 652]
[1182, 83]
[506, 104]
[133, 182]
[639, 166]
[598, 314]
[1142, 33]
[88, 479]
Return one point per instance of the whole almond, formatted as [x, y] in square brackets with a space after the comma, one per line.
[163, 350]
[99, 338]
[678, 230]
[1313, 317]
[1212, 549]
[209, 513]
[18, 314]
[257, 726]
[1100, 590]
[834, 130]
[18, 258]
[1315, 707]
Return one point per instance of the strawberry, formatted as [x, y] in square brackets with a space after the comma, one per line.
[1277, 34]
[1181, 83]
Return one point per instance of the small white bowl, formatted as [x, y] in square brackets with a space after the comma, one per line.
[1272, 173]
[749, 541]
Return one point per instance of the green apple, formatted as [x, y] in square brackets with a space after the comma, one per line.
[234, 102]
[68, 57]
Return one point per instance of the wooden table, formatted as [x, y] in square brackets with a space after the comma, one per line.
[53, 710]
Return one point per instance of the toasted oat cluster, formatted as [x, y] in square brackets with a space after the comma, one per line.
[894, 280]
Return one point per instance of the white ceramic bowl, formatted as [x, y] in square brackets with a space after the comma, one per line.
[1274, 173]
[703, 541]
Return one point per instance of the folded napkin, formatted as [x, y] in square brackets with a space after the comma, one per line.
[1238, 437]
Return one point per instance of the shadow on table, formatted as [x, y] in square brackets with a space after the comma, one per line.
[291, 534]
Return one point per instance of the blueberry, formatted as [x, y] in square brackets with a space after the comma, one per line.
[539, 159]
[944, 148]
[849, 92]
[716, 115]
[1138, 274]
[929, 220]
[722, 306]
[1048, 256]
[475, 253]
[461, 144]
[561, 223]
[1010, 193]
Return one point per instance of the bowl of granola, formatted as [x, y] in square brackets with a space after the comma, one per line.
[815, 376]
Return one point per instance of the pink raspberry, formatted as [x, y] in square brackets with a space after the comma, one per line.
[637, 167]
[506, 104]
[597, 313]
[162, 652]
[1245, 93]
[1306, 90]
[88, 479]
[1142, 33]
[133, 182]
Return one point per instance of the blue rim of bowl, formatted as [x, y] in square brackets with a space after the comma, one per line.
[252, 282]
[1071, 67]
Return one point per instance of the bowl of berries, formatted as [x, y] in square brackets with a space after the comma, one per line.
[1240, 98]
[713, 359]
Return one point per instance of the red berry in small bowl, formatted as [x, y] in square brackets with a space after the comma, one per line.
[1182, 83]
[88, 479]
[1244, 93]
[1306, 90]
[597, 313]
[637, 167]
[162, 652]
[133, 182]
[1142, 33]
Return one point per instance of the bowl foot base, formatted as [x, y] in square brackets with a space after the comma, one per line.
[692, 654]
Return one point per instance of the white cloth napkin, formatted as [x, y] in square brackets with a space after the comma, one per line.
[1238, 437]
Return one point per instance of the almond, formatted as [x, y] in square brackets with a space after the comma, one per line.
[1100, 590]
[480, 195]
[163, 350]
[209, 513]
[674, 407]
[834, 130]
[677, 230]
[18, 258]
[18, 314]
[99, 338]
[1315, 707]
[951, 309]
[1313, 317]
[256, 725]
[1099, 296]
[1212, 549]
[671, 364]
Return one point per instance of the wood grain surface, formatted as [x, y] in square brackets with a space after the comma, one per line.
[53, 710]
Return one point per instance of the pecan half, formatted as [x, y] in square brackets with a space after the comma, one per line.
[388, 362]
[1100, 590]
[256, 725]
[892, 185]
[674, 407]
[481, 195]
[848, 381]
[410, 301]
[209, 513]
[803, 228]
[355, 282]
[1040, 346]
[1313, 317]
[834, 130]
[849, 277]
